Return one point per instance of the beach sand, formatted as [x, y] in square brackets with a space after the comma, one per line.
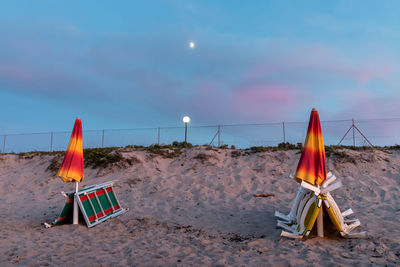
[198, 208]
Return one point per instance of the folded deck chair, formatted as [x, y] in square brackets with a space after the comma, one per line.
[96, 204]
[291, 217]
[297, 213]
[344, 226]
[301, 194]
[308, 214]
[305, 219]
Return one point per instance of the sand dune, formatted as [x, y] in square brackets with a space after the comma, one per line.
[198, 208]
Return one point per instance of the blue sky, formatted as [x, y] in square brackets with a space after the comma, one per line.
[127, 64]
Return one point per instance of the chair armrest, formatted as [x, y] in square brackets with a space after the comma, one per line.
[311, 187]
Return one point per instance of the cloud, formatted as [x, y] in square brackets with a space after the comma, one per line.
[361, 104]
[265, 102]
[45, 81]
[154, 77]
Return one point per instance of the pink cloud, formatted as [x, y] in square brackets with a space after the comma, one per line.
[260, 95]
[265, 101]
[362, 104]
[46, 81]
[315, 63]
[11, 72]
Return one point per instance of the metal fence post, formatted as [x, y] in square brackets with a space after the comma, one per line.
[4, 144]
[51, 142]
[158, 139]
[219, 135]
[354, 139]
[284, 135]
[102, 139]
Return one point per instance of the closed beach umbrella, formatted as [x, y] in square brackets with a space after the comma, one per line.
[312, 163]
[72, 166]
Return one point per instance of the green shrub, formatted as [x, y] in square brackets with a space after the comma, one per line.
[395, 147]
[236, 153]
[29, 155]
[166, 151]
[181, 144]
[259, 149]
[101, 157]
[55, 164]
[203, 157]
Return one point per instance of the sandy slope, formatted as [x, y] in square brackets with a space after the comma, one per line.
[198, 210]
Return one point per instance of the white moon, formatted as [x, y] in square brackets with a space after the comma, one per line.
[192, 45]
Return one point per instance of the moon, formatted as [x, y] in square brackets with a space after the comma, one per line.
[192, 45]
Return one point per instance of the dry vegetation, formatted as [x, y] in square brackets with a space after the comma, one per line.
[100, 158]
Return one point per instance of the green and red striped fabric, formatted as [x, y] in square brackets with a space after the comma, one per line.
[66, 213]
[312, 163]
[72, 166]
[104, 209]
[96, 204]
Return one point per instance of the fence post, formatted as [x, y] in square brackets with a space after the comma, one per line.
[4, 144]
[158, 139]
[102, 139]
[51, 142]
[354, 139]
[219, 135]
[284, 135]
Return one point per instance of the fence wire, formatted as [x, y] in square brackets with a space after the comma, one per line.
[380, 132]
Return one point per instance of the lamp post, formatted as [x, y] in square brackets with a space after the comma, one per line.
[186, 120]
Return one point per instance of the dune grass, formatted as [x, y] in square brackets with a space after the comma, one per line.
[109, 156]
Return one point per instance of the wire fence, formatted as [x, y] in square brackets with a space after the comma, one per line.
[379, 132]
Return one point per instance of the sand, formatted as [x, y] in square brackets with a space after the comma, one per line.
[198, 209]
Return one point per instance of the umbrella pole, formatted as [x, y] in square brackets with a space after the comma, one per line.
[320, 223]
[75, 214]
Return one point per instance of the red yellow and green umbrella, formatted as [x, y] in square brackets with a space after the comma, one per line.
[72, 167]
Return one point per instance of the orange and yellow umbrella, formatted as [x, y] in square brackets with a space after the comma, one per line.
[72, 167]
[312, 163]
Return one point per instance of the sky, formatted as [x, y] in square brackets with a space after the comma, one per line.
[128, 64]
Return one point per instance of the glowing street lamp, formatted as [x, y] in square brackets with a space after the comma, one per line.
[186, 120]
